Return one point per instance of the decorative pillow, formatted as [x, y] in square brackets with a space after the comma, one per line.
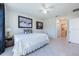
[27, 31]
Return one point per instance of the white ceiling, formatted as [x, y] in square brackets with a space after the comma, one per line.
[33, 9]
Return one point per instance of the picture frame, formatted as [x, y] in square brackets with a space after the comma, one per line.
[39, 25]
[24, 22]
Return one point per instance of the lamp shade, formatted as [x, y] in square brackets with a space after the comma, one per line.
[8, 32]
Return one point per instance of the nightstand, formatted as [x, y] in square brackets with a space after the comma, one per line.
[9, 42]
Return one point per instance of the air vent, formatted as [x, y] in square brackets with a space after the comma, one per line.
[75, 10]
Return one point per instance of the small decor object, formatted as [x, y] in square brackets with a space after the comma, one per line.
[27, 31]
[24, 22]
[39, 25]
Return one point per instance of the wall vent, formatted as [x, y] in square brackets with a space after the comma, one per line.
[75, 10]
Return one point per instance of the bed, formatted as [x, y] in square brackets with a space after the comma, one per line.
[27, 43]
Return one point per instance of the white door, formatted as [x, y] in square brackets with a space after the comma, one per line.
[74, 30]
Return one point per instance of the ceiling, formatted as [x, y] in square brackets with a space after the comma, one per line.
[33, 9]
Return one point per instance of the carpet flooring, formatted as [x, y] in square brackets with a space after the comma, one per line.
[54, 48]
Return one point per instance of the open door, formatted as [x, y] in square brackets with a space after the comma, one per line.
[62, 28]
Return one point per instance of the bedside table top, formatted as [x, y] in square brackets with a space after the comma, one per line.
[9, 38]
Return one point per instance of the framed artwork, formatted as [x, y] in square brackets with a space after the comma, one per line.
[24, 22]
[39, 25]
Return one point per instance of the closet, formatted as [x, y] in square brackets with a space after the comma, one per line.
[2, 28]
[74, 30]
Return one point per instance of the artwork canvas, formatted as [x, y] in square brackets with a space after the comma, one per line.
[39, 25]
[24, 22]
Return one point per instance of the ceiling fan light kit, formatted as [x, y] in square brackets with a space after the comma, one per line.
[44, 11]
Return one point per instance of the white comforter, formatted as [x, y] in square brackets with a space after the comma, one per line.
[25, 43]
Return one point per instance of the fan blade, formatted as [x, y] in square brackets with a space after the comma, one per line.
[51, 7]
[43, 5]
[47, 6]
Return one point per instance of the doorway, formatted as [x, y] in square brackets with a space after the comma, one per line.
[62, 28]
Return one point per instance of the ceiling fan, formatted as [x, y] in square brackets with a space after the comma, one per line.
[46, 7]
